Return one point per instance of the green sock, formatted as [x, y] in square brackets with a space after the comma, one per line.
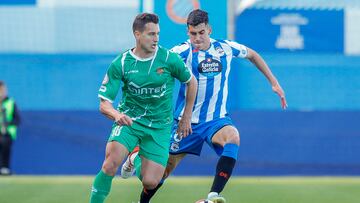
[101, 187]
[137, 164]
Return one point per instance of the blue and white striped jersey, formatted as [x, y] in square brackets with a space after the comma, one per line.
[211, 68]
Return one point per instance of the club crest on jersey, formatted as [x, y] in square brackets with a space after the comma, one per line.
[220, 51]
[210, 67]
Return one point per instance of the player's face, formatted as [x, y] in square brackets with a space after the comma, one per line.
[149, 38]
[200, 36]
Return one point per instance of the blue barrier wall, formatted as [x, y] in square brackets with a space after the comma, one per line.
[63, 133]
[68, 82]
[272, 143]
[50, 82]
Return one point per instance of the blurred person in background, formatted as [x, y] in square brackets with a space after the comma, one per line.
[144, 116]
[210, 61]
[9, 120]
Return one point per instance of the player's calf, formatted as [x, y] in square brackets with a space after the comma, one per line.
[225, 167]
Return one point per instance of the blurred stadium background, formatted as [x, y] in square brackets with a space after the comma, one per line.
[54, 54]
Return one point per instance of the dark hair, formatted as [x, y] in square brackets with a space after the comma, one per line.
[2, 83]
[142, 19]
[197, 17]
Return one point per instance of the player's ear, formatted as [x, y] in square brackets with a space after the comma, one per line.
[137, 34]
[209, 29]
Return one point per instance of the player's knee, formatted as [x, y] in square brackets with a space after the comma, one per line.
[150, 183]
[109, 170]
[110, 167]
[233, 138]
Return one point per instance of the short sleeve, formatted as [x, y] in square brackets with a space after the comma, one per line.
[237, 49]
[183, 50]
[178, 68]
[111, 83]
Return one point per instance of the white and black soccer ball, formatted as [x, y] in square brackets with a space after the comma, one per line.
[204, 201]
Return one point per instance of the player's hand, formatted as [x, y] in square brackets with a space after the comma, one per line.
[279, 91]
[184, 126]
[123, 119]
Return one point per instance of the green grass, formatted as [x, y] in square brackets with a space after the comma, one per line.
[76, 189]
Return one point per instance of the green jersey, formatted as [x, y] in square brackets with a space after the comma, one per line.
[147, 86]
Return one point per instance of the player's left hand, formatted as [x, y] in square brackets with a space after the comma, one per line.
[184, 127]
[279, 91]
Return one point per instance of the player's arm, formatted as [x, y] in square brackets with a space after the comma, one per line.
[259, 62]
[184, 75]
[107, 94]
[184, 128]
[109, 111]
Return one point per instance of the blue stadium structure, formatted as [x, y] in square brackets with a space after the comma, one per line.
[53, 56]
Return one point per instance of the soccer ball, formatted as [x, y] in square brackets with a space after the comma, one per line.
[204, 201]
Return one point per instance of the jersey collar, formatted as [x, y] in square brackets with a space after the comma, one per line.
[143, 59]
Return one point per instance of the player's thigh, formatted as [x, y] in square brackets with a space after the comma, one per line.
[122, 140]
[151, 171]
[125, 135]
[115, 151]
[115, 154]
[154, 145]
[227, 134]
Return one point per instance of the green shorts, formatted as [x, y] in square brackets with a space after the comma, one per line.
[154, 143]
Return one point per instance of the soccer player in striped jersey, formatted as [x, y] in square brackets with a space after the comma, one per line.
[210, 61]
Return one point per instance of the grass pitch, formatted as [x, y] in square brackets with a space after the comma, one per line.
[76, 189]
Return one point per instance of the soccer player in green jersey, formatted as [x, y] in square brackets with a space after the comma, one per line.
[144, 115]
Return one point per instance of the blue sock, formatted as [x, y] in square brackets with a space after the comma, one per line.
[230, 150]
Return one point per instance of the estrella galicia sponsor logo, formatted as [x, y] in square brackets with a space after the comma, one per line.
[137, 90]
[210, 67]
